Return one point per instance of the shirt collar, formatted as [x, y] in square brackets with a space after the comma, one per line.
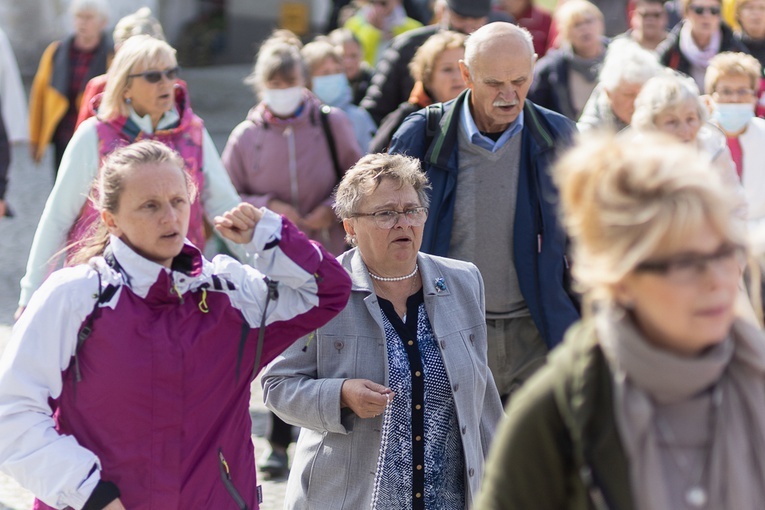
[475, 136]
[168, 120]
[142, 273]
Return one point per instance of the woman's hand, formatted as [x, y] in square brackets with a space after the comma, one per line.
[321, 217]
[115, 505]
[238, 224]
[284, 209]
[365, 398]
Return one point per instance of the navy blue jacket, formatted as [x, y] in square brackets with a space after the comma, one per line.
[539, 243]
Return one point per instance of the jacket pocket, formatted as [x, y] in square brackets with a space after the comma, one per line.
[225, 476]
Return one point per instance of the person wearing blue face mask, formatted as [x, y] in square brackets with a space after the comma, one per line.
[330, 84]
[732, 81]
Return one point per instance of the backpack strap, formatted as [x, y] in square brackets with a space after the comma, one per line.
[102, 296]
[433, 114]
[324, 116]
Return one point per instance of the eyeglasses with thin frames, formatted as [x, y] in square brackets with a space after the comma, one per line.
[415, 217]
[690, 268]
[155, 76]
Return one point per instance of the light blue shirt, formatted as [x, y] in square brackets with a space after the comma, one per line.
[482, 141]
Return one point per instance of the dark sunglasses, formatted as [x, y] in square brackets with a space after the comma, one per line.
[714, 11]
[155, 76]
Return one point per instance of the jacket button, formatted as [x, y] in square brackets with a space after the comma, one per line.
[418, 438]
[471, 472]
[418, 373]
[410, 342]
[419, 467]
[418, 495]
[339, 345]
[456, 387]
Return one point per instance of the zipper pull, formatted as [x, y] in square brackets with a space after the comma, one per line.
[224, 464]
[539, 243]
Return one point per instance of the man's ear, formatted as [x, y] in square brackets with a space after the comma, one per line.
[111, 224]
[465, 74]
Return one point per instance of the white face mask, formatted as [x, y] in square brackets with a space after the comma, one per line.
[733, 117]
[283, 102]
[331, 89]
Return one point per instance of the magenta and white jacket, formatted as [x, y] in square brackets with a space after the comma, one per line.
[157, 401]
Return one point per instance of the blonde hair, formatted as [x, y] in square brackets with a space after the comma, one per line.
[316, 52]
[728, 64]
[140, 51]
[421, 65]
[137, 23]
[663, 93]
[278, 56]
[627, 199]
[571, 13]
[107, 189]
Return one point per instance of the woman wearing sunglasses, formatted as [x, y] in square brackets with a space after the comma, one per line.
[697, 38]
[142, 100]
[656, 400]
[395, 397]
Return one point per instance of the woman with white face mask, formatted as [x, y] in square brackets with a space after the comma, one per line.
[280, 157]
[330, 84]
[732, 81]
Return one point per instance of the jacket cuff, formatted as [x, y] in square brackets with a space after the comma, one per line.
[102, 495]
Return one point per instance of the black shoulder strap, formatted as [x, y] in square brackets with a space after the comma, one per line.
[102, 296]
[433, 114]
[330, 140]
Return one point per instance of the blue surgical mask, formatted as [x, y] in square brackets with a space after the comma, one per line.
[733, 117]
[331, 89]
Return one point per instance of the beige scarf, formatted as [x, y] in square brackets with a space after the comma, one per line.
[646, 376]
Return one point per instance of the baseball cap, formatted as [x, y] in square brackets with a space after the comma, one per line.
[470, 8]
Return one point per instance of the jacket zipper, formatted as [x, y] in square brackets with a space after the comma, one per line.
[225, 475]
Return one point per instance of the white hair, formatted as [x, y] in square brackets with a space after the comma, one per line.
[663, 93]
[488, 33]
[98, 6]
[627, 62]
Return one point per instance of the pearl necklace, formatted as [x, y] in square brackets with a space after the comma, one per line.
[395, 278]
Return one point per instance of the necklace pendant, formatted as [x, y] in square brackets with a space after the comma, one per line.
[696, 497]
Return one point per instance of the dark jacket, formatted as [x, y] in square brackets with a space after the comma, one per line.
[559, 447]
[539, 244]
[390, 125]
[392, 83]
[669, 50]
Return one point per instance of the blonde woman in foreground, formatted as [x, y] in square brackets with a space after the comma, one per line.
[656, 399]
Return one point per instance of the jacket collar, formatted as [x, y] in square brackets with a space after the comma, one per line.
[141, 273]
[445, 142]
[434, 283]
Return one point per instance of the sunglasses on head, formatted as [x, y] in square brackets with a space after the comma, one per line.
[155, 76]
[698, 9]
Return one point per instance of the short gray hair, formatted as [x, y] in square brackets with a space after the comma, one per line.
[99, 6]
[627, 62]
[662, 93]
[366, 175]
[489, 32]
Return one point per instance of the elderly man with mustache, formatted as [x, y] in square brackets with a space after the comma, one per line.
[487, 155]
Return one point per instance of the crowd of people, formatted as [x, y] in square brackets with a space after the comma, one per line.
[484, 255]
